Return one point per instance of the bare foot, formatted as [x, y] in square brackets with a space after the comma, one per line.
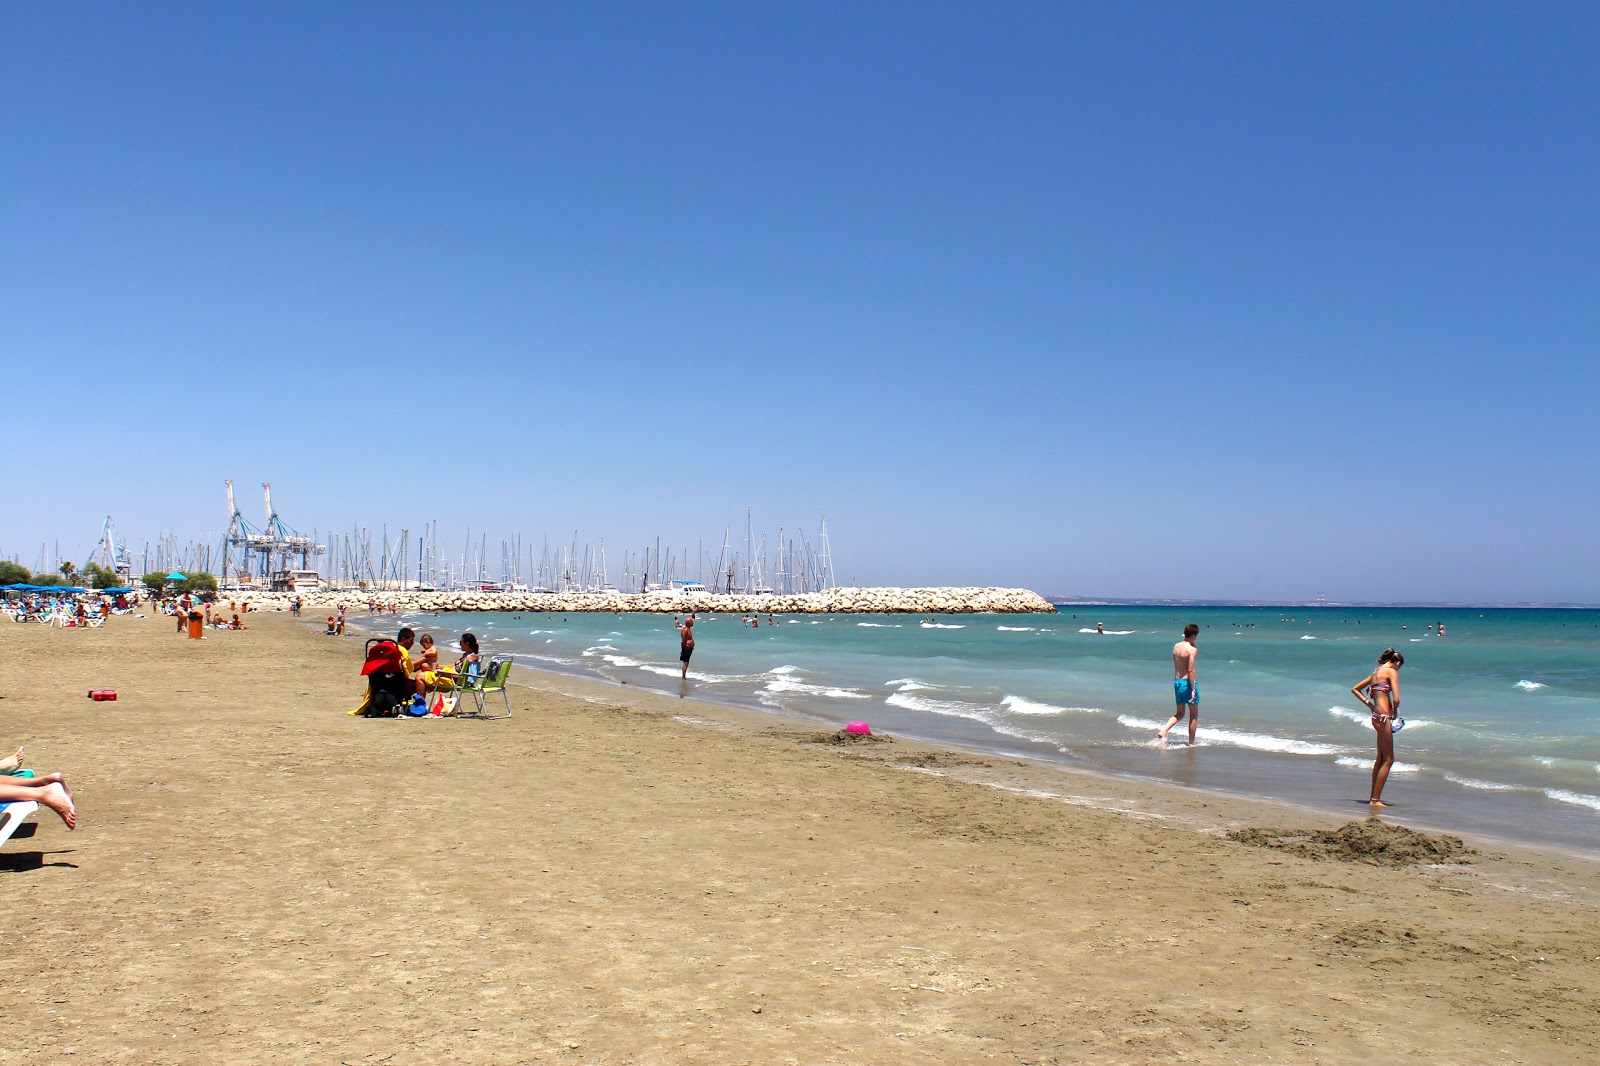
[59, 800]
[12, 762]
[1161, 736]
[1376, 803]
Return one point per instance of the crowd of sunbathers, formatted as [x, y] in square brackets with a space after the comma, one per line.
[21, 785]
[79, 611]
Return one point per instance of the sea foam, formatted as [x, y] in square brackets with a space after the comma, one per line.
[1016, 629]
[785, 685]
[950, 708]
[1239, 738]
[1578, 798]
[1530, 686]
[910, 684]
[1479, 783]
[939, 625]
[1366, 764]
[1023, 705]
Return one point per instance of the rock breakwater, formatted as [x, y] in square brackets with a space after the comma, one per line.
[833, 601]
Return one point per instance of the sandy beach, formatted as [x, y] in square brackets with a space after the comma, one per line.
[616, 876]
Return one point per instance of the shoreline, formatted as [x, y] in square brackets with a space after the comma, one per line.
[626, 876]
[1214, 768]
[1172, 794]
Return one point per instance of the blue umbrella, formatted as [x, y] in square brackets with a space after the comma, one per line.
[175, 576]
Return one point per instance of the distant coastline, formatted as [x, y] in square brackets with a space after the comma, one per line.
[1415, 605]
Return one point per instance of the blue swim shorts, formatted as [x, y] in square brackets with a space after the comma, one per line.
[1186, 693]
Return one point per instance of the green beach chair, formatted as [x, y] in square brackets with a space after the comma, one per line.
[492, 680]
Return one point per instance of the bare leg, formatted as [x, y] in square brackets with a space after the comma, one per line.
[1177, 716]
[50, 793]
[1194, 723]
[1385, 760]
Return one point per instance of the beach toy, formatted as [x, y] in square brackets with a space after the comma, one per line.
[100, 695]
[1397, 725]
[859, 728]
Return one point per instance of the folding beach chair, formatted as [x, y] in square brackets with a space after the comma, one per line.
[13, 815]
[491, 681]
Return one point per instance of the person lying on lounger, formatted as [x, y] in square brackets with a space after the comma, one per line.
[50, 790]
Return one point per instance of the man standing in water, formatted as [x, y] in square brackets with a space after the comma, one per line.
[686, 643]
[1184, 687]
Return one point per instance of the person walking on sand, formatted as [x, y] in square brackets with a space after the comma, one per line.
[1184, 687]
[1381, 693]
[686, 643]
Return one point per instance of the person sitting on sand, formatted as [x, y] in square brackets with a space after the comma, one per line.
[332, 630]
[236, 624]
[50, 790]
[1381, 693]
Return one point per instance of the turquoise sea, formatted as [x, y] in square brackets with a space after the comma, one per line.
[1503, 712]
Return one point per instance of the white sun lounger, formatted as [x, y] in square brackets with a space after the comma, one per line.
[13, 815]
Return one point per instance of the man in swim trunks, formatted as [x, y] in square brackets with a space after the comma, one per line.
[1184, 687]
[686, 643]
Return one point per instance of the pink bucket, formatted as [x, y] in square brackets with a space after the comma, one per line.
[861, 728]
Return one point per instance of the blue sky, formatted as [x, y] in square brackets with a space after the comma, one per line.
[1221, 300]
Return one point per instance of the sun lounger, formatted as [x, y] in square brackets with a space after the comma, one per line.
[13, 815]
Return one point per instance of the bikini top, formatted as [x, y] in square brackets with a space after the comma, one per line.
[1380, 686]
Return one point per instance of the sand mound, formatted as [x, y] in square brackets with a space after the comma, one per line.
[1373, 842]
[844, 736]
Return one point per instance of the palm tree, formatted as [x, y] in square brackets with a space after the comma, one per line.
[67, 570]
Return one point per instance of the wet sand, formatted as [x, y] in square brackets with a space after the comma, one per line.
[616, 876]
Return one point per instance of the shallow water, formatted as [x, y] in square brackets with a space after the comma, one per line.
[1502, 733]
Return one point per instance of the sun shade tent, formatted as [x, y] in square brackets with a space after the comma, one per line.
[175, 576]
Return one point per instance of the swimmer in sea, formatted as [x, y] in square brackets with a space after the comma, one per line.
[1100, 627]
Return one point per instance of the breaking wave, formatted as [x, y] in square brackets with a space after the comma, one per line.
[1366, 764]
[1023, 705]
[940, 625]
[1240, 739]
[950, 708]
[1530, 686]
[1578, 798]
[785, 685]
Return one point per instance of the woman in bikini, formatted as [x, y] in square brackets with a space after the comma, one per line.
[1381, 693]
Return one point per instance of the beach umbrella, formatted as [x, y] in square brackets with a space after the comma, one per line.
[175, 576]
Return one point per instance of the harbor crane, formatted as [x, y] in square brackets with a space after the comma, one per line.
[249, 553]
